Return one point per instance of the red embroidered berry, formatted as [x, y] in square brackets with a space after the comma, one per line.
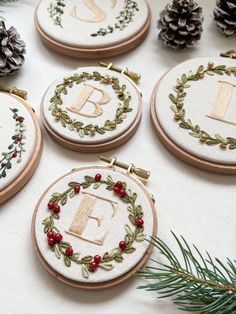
[97, 259]
[139, 222]
[98, 177]
[56, 209]
[77, 189]
[20, 119]
[93, 266]
[50, 235]
[51, 241]
[51, 205]
[58, 237]
[14, 155]
[3, 165]
[116, 190]
[122, 245]
[119, 185]
[69, 251]
[19, 138]
[122, 193]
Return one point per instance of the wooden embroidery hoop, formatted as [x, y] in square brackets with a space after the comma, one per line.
[181, 153]
[94, 53]
[106, 284]
[99, 147]
[29, 170]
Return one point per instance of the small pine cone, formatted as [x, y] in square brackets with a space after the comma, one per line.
[12, 50]
[181, 24]
[225, 16]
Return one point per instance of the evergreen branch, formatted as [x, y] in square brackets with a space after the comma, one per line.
[196, 284]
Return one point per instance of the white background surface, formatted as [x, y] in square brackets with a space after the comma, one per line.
[200, 206]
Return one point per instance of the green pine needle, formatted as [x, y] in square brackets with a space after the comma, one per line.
[197, 284]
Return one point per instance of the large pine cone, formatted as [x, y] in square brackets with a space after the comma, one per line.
[12, 50]
[181, 24]
[225, 16]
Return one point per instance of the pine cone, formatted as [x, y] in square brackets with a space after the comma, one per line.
[12, 50]
[225, 16]
[181, 24]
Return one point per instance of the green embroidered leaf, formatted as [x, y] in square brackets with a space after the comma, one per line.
[85, 271]
[64, 200]
[87, 259]
[106, 266]
[129, 250]
[67, 261]
[57, 251]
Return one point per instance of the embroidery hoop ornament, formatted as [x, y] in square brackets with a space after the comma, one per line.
[137, 175]
[181, 117]
[19, 182]
[118, 48]
[103, 145]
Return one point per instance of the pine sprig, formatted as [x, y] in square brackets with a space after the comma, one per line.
[198, 284]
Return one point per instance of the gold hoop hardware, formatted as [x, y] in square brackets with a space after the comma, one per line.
[15, 91]
[135, 77]
[138, 172]
[229, 54]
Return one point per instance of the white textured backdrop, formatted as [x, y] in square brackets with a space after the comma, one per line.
[201, 206]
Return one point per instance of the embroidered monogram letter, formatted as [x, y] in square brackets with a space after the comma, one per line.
[84, 97]
[84, 215]
[222, 102]
[99, 14]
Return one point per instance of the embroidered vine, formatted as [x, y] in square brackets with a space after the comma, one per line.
[178, 108]
[56, 10]
[63, 117]
[133, 232]
[16, 148]
[123, 19]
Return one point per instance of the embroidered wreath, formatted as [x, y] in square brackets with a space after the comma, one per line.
[90, 264]
[16, 148]
[125, 17]
[179, 111]
[90, 129]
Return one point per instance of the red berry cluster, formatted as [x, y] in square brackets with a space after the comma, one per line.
[77, 189]
[122, 245]
[95, 263]
[54, 238]
[119, 189]
[139, 222]
[69, 251]
[54, 207]
[20, 119]
[14, 154]
[98, 177]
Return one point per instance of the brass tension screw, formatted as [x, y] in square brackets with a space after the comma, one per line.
[229, 54]
[139, 172]
[132, 75]
[15, 91]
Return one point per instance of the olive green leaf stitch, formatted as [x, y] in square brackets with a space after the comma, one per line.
[178, 105]
[133, 232]
[83, 130]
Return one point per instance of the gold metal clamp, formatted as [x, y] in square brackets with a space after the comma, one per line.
[229, 54]
[15, 91]
[138, 172]
[132, 75]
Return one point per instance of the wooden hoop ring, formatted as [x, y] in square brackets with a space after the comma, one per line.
[14, 187]
[181, 153]
[96, 286]
[94, 53]
[99, 147]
